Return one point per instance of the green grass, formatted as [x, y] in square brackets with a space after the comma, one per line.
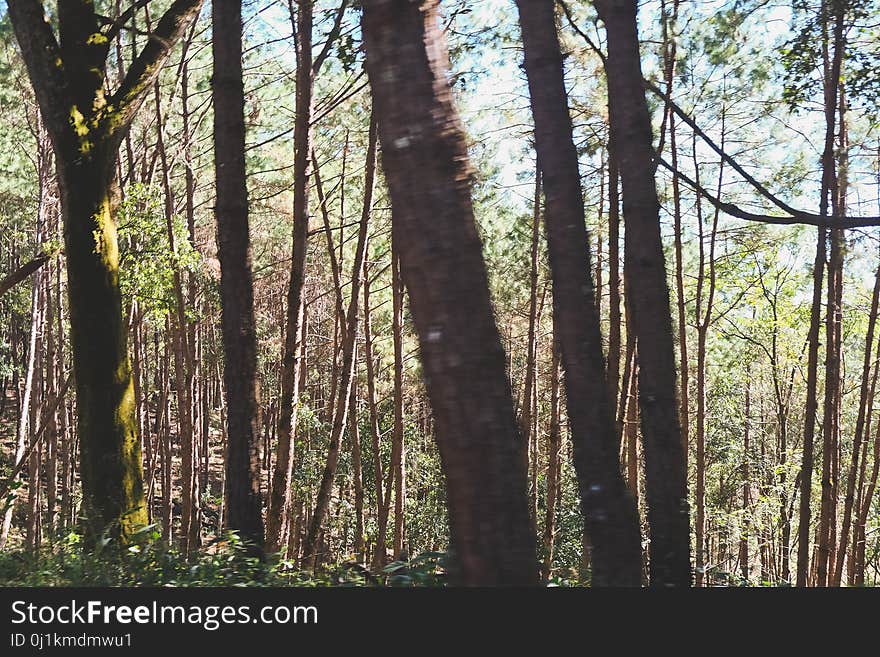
[226, 562]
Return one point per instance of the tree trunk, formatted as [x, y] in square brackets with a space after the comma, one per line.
[357, 474]
[87, 125]
[279, 502]
[746, 483]
[322, 503]
[381, 507]
[110, 452]
[703, 322]
[645, 274]
[243, 503]
[23, 427]
[554, 440]
[827, 188]
[610, 513]
[398, 455]
[527, 412]
[426, 165]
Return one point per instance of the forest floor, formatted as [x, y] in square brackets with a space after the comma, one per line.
[211, 487]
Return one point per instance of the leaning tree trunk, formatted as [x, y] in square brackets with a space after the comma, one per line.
[426, 165]
[243, 503]
[645, 278]
[610, 513]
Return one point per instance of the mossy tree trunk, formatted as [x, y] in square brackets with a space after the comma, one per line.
[87, 122]
[113, 493]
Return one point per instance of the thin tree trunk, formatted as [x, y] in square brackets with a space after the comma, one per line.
[746, 483]
[381, 507]
[344, 390]
[704, 321]
[357, 474]
[526, 414]
[24, 407]
[837, 551]
[398, 458]
[614, 313]
[183, 362]
[291, 366]
[827, 188]
[554, 440]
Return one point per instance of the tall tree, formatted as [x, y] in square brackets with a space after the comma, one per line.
[831, 84]
[243, 502]
[610, 513]
[645, 277]
[307, 68]
[279, 500]
[87, 122]
[426, 166]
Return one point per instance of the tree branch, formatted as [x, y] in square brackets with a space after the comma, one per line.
[23, 272]
[114, 26]
[145, 69]
[796, 217]
[44, 422]
[42, 57]
[331, 38]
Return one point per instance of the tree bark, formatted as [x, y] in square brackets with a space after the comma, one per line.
[645, 274]
[243, 502]
[426, 165]
[610, 513]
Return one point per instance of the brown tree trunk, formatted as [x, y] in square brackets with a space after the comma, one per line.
[645, 274]
[425, 160]
[614, 313]
[183, 362]
[669, 53]
[837, 552]
[357, 474]
[398, 454]
[827, 187]
[610, 514]
[243, 502]
[23, 427]
[746, 483]
[279, 502]
[703, 322]
[554, 441]
[381, 508]
[528, 410]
